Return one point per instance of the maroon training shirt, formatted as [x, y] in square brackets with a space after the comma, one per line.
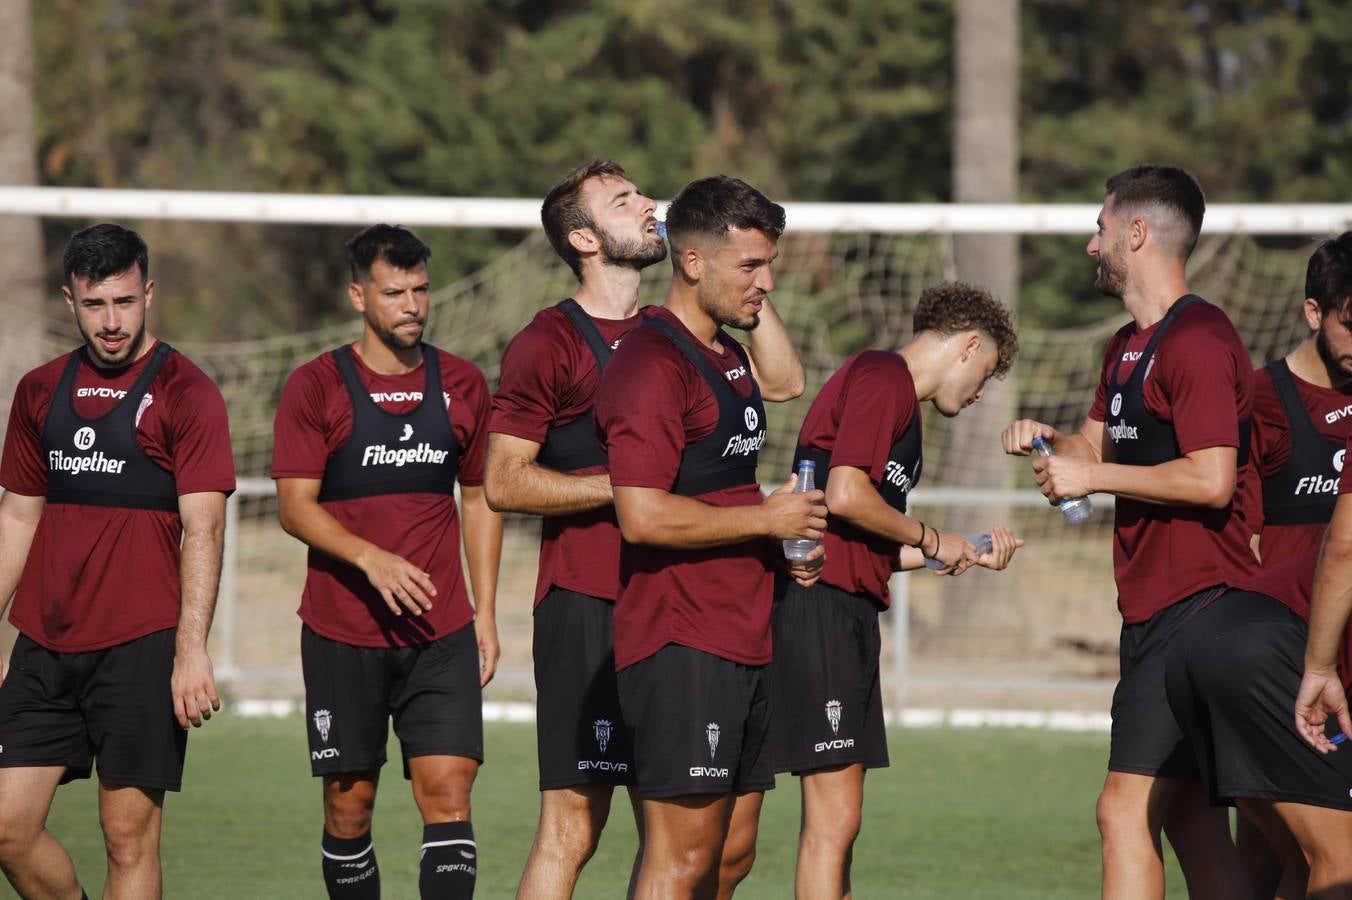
[548, 379]
[861, 411]
[314, 420]
[652, 404]
[1201, 382]
[98, 576]
[1272, 449]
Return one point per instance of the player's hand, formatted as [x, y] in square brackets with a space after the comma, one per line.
[1062, 477]
[402, 585]
[789, 515]
[1017, 438]
[953, 550]
[193, 686]
[1003, 545]
[1320, 696]
[806, 571]
[486, 635]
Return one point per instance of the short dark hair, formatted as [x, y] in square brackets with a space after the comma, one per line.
[102, 251]
[952, 307]
[394, 244]
[1328, 277]
[711, 206]
[564, 212]
[1168, 188]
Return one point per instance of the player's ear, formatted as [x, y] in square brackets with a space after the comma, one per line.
[971, 344]
[1137, 231]
[149, 291]
[354, 293]
[70, 298]
[1313, 317]
[692, 264]
[584, 240]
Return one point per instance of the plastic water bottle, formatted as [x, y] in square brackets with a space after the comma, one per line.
[1075, 509]
[982, 542]
[799, 548]
[662, 229]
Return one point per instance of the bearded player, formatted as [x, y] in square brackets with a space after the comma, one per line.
[371, 439]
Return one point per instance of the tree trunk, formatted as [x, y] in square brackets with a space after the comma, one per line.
[21, 260]
[985, 170]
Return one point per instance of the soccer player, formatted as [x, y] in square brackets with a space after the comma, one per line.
[545, 458]
[1300, 409]
[370, 440]
[1168, 435]
[1278, 642]
[863, 431]
[684, 421]
[1300, 406]
[116, 468]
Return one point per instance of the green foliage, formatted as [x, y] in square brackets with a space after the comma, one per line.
[845, 100]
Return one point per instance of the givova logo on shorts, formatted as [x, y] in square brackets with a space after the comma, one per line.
[601, 730]
[833, 710]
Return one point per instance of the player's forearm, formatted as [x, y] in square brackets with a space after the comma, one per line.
[311, 524]
[19, 516]
[482, 536]
[1076, 445]
[199, 582]
[1178, 482]
[1332, 601]
[526, 487]
[684, 523]
[863, 507]
[911, 559]
[779, 371]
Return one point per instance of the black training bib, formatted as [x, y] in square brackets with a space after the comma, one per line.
[901, 473]
[1138, 437]
[1305, 490]
[726, 458]
[389, 453]
[99, 462]
[577, 444]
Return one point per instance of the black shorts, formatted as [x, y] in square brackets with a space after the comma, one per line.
[828, 706]
[1232, 682]
[113, 705]
[431, 690]
[579, 731]
[1146, 740]
[700, 723]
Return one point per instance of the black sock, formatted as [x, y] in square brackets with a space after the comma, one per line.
[450, 860]
[350, 871]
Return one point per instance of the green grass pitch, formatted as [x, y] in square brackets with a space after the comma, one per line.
[960, 814]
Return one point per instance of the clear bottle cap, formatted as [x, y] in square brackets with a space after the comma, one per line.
[808, 464]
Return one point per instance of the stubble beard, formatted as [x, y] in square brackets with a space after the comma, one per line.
[630, 254]
[130, 350]
[1110, 279]
[1338, 367]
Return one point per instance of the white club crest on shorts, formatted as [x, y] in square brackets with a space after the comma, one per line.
[601, 728]
[752, 420]
[1116, 406]
[833, 715]
[1338, 460]
[711, 732]
[84, 438]
[145, 405]
[323, 719]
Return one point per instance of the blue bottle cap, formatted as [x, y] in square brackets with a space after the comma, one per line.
[808, 464]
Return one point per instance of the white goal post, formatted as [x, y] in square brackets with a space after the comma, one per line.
[851, 273]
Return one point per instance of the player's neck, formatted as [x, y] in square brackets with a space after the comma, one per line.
[609, 292]
[683, 303]
[383, 359]
[1149, 299]
[1307, 365]
[925, 358]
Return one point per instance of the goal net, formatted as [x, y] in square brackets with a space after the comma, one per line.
[1049, 620]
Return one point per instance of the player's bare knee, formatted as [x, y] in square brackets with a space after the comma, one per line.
[129, 845]
[348, 812]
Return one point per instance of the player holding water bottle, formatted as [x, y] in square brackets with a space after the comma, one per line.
[861, 441]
